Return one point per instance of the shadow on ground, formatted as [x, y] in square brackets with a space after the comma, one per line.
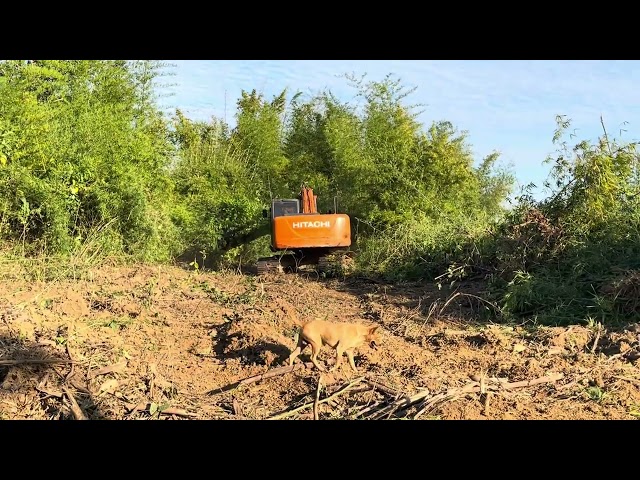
[253, 353]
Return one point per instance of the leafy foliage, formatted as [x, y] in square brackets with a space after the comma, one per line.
[574, 255]
[82, 148]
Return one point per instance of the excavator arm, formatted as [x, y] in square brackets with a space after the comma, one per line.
[235, 239]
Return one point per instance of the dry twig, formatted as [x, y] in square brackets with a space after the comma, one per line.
[49, 393]
[627, 379]
[480, 387]
[237, 408]
[344, 389]
[367, 409]
[528, 383]
[400, 404]
[316, 402]
[263, 376]
[597, 339]
[77, 412]
[428, 402]
[72, 369]
[34, 361]
[383, 388]
[487, 302]
[145, 407]
[487, 399]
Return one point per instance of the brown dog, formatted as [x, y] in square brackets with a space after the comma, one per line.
[344, 337]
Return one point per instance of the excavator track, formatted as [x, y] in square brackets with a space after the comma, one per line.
[276, 264]
[331, 263]
[266, 266]
[335, 263]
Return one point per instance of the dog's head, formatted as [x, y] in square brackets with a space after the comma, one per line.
[372, 337]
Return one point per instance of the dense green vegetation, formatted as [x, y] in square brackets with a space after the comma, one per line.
[91, 167]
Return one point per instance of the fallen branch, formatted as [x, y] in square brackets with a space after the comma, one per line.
[597, 339]
[449, 395]
[316, 402]
[324, 400]
[34, 361]
[487, 302]
[145, 407]
[178, 412]
[487, 399]
[263, 376]
[383, 388]
[627, 379]
[73, 364]
[49, 393]
[529, 383]
[481, 387]
[237, 408]
[77, 412]
[401, 404]
[368, 409]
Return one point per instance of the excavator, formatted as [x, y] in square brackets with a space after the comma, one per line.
[303, 236]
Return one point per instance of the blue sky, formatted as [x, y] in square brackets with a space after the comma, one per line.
[505, 105]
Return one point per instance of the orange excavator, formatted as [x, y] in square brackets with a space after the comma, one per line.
[303, 236]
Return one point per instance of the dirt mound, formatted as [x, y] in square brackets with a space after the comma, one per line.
[165, 343]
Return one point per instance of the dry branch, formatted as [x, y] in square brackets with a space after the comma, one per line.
[383, 388]
[487, 400]
[367, 409]
[178, 412]
[481, 387]
[315, 403]
[145, 407]
[237, 408]
[49, 393]
[597, 339]
[449, 395]
[400, 404]
[528, 383]
[73, 364]
[344, 389]
[487, 302]
[34, 361]
[627, 379]
[428, 402]
[263, 376]
[77, 412]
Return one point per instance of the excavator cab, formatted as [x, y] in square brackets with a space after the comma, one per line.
[282, 207]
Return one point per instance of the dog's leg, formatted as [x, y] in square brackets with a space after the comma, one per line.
[339, 353]
[351, 360]
[302, 344]
[315, 350]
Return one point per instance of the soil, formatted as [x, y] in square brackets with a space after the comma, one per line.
[168, 343]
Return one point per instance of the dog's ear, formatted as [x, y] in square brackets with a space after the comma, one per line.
[373, 329]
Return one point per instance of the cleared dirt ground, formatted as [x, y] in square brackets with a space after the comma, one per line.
[167, 343]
